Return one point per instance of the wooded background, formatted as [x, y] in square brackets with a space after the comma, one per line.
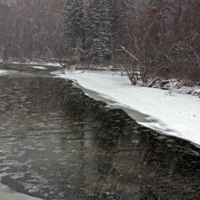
[163, 36]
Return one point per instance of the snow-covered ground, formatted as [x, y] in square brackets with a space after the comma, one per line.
[2, 72]
[38, 67]
[176, 114]
[7, 194]
[46, 64]
[38, 63]
[54, 64]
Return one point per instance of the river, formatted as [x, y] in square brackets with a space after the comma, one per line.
[57, 143]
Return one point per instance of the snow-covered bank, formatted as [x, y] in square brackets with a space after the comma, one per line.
[176, 114]
[2, 72]
[53, 64]
[7, 194]
[45, 64]
[38, 67]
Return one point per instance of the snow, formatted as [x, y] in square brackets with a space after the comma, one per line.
[46, 64]
[176, 114]
[38, 67]
[7, 194]
[2, 72]
[54, 64]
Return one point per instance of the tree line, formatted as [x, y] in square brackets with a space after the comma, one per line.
[148, 38]
[29, 28]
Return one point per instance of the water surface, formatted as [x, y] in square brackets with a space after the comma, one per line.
[57, 143]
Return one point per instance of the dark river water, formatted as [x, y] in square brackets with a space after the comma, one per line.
[56, 143]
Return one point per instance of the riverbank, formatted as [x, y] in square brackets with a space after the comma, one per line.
[49, 125]
[7, 194]
[172, 112]
[175, 114]
[2, 72]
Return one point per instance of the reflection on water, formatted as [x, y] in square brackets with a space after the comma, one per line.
[57, 143]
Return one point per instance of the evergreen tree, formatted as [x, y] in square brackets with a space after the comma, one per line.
[72, 33]
[102, 18]
[92, 27]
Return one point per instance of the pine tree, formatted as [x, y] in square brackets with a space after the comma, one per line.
[98, 30]
[72, 34]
